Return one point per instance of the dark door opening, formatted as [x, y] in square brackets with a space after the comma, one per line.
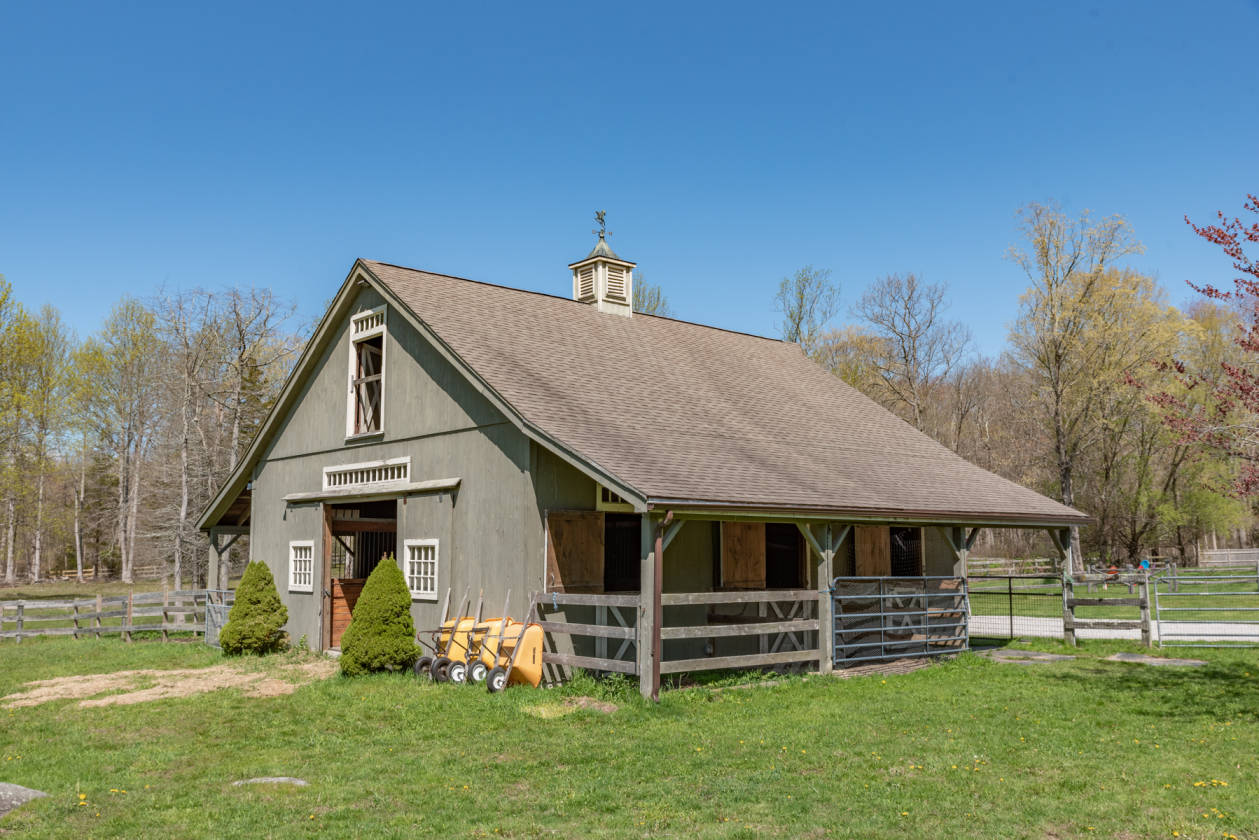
[784, 557]
[906, 552]
[622, 571]
[359, 536]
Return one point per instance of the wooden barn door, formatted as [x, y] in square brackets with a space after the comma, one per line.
[574, 551]
[874, 550]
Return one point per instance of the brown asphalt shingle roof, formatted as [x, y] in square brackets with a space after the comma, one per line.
[681, 411]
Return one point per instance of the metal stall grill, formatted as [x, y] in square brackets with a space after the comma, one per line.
[1015, 606]
[881, 618]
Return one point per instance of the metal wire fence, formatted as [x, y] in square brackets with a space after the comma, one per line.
[1015, 606]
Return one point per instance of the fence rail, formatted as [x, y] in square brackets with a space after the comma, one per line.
[1209, 608]
[1212, 558]
[177, 611]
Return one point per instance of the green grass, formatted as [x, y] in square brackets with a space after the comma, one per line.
[967, 748]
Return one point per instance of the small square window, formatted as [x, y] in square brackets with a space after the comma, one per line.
[421, 568]
[302, 566]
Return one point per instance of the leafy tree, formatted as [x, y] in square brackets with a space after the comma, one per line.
[807, 300]
[256, 618]
[1223, 416]
[1060, 338]
[381, 635]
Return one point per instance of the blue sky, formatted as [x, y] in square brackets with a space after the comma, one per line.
[271, 144]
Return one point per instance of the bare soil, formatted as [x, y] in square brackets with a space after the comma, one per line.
[124, 688]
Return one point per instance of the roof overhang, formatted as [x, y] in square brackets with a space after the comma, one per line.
[389, 490]
[733, 511]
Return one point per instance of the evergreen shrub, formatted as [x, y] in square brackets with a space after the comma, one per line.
[255, 620]
[381, 635]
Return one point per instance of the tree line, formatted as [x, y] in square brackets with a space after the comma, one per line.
[1105, 396]
[112, 444]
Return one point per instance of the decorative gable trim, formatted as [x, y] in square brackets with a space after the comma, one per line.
[367, 474]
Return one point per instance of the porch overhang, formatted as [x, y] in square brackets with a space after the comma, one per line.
[732, 511]
[376, 492]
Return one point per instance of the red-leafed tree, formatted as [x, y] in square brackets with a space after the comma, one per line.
[1217, 404]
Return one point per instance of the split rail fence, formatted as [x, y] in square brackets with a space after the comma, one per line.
[177, 611]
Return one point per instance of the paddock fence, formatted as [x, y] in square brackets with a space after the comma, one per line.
[175, 612]
[1213, 606]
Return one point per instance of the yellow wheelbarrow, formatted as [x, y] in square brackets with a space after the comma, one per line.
[511, 651]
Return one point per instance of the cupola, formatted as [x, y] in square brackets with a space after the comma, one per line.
[604, 279]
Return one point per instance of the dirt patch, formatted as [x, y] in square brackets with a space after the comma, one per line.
[548, 711]
[590, 703]
[124, 688]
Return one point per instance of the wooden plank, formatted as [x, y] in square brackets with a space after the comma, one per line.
[574, 551]
[622, 666]
[873, 550]
[603, 631]
[713, 663]
[1105, 624]
[546, 599]
[1107, 602]
[675, 599]
[743, 555]
[752, 628]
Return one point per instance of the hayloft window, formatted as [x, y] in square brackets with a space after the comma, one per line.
[367, 372]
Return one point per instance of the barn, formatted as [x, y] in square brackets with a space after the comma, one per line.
[664, 496]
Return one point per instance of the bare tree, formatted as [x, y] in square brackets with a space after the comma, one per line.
[807, 301]
[649, 299]
[919, 347]
[48, 389]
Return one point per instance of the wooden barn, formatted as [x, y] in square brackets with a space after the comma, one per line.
[667, 496]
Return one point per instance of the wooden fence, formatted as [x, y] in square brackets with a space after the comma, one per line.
[782, 620]
[178, 611]
[1228, 557]
[1071, 623]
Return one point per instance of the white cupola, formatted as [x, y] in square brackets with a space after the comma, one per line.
[604, 279]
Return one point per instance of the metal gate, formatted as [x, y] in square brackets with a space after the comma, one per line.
[1213, 607]
[218, 603]
[879, 618]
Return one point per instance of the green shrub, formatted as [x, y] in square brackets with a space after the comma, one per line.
[381, 635]
[253, 625]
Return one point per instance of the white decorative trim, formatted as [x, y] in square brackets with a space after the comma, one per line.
[367, 323]
[302, 566]
[421, 566]
[608, 500]
[367, 474]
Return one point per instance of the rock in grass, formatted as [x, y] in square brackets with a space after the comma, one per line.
[273, 780]
[15, 796]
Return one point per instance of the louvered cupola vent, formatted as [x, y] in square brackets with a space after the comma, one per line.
[603, 278]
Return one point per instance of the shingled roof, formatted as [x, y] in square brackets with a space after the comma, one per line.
[691, 415]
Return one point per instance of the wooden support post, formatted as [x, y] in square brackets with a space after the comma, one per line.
[165, 613]
[1068, 611]
[650, 614]
[126, 628]
[74, 605]
[100, 606]
[21, 611]
[832, 537]
[1146, 635]
[212, 562]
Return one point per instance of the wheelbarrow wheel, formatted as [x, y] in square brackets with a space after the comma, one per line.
[477, 671]
[423, 667]
[457, 671]
[441, 669]
[496, 680]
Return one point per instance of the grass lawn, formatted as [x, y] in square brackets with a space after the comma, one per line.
[968, 748]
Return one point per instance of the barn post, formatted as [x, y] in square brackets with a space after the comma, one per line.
[825, 549]
[651, 547]
[212, 562]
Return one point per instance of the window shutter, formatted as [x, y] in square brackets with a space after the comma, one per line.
[874, 550]
[574, 551]
[743, 555]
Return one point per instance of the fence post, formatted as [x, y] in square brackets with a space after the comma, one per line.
[74, 605]
[1068, 613]
[165, 606]
[1145, 610]
[126, 628]
[100, 606]
[1010, 591]
[21, 610]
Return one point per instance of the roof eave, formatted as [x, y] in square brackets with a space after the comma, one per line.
[707, 509]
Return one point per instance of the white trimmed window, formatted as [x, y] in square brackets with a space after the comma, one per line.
[364, 414]
[421, 568]
[302, 566]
